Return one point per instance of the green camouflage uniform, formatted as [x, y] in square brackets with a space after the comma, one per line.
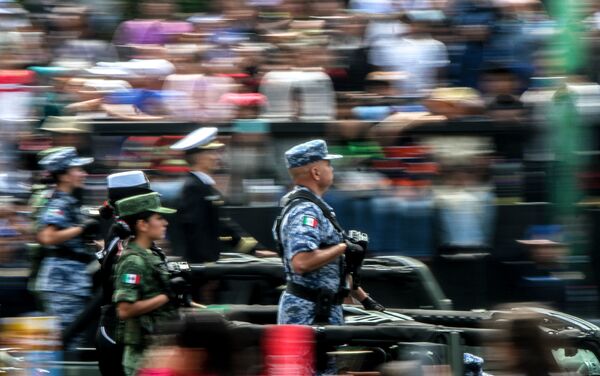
[140, 274]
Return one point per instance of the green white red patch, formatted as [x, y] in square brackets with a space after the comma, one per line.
[56, 211]
[310, 221]
[132, 279]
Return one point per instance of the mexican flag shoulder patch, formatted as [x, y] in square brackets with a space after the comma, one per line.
[310, 221]
[132, 279]
[56, 212]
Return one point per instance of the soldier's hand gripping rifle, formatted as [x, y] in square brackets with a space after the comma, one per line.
[357, 243]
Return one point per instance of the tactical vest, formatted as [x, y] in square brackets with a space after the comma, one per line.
[134, 331]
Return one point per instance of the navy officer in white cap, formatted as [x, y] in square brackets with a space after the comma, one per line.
[199, 222]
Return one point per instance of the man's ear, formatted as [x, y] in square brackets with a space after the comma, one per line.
[315, 172]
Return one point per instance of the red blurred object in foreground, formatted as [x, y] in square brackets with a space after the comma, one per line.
[12, 80]
[289, 350]
[16, 77]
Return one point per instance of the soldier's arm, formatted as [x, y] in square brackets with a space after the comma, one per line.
[52, 235]
[127, 310]
[53, 225]
[305, 262]
[130, 275]
[304, 240]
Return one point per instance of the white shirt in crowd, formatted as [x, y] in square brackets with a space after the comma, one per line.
[419, 58]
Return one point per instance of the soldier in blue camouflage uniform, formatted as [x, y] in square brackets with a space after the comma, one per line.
[40, 195]
[313, 248]
[63, 281]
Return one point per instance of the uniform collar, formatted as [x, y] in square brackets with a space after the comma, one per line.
[204, 177]
[301, 187]
[135, 247]
[64, 195]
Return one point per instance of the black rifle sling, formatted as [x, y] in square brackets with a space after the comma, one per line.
[295, 199]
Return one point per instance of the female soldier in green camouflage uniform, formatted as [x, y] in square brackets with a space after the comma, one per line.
[144, 294]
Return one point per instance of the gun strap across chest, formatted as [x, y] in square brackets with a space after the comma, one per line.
[297, 198]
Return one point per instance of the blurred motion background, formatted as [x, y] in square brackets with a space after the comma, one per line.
[466, 125]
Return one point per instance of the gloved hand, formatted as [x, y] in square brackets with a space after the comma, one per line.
[355, 254]
[176, 291]
[359, 238]
[353, 250]
[371, 305]
[177, 286]
[90, 227]
[106, 211]
[121, 229]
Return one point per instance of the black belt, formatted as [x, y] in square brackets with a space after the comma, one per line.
[69, 255]
[314, 295]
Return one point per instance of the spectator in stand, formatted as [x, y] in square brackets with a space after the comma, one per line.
[418, 55]
[501, 88]
[472, 20]
[350, 53]
[380, 37]
[521, 29]
[464, 202]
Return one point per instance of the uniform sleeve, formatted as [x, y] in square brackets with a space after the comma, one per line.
[302, 232]
[55, 214]
[128, 280]
[192, 206]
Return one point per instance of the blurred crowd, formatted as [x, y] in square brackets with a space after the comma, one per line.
[445, 110]
[371, 73]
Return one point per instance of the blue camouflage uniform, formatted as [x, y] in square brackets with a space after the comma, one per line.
[62, 280]
[305, 228]
[64, 283]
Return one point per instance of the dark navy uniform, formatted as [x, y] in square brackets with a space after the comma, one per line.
[198, 214]
[199, 227]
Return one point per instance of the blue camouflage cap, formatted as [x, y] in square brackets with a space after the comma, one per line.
[62, 159]
[308, 152]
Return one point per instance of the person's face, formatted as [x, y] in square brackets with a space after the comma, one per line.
[155, 227]
[74, 177]
[500, 84]
[323, 173]
[548, 254]
[208, 160]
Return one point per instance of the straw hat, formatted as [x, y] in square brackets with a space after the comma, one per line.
[65, 124]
